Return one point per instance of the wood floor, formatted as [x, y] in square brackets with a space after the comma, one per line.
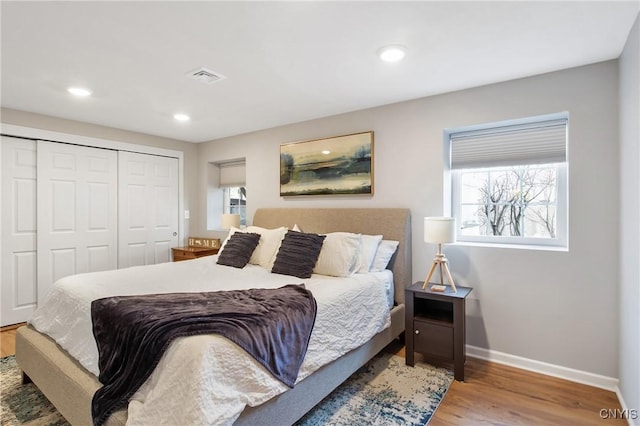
[494, 394]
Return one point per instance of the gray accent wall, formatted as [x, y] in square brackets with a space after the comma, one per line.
[551, 306]
[630, 221]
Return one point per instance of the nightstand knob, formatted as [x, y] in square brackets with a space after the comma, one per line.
[417, 331]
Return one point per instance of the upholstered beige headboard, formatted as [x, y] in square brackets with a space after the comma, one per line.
[392, 224]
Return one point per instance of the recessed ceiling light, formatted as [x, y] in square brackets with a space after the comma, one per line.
[393, 53]
[79, 91]
[181, 117]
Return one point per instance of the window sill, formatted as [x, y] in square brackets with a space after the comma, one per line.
[537, 247]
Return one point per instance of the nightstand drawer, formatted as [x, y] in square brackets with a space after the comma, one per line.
[433, 339]
[183, 254]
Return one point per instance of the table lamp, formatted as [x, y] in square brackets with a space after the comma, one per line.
[440, 230]
[229, 221]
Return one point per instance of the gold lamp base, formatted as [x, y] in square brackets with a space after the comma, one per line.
[441, 263]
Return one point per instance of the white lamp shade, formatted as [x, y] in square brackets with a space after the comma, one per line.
[229, 221]
[439, 230]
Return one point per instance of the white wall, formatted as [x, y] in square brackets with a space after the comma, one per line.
[555, 307]
[630, 221]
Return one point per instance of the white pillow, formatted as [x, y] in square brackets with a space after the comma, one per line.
[339, 255]
[385, 252]
[368, 248]
[270, 239]
[232, 231]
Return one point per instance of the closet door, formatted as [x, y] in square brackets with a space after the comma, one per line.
[18, 223]
[148, 203]
[77, 211]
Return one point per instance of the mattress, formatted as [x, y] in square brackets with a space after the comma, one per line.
[208, 379]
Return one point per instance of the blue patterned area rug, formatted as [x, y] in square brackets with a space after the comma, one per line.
[23, 404]
[383, 392]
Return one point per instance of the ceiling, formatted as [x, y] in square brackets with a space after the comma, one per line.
[284, 62]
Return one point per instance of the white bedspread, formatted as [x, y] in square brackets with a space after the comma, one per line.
[207, 379]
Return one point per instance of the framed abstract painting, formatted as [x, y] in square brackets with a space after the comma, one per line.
[330, 166]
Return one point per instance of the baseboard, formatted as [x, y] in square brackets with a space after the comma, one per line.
[631, 414]
[578, 376]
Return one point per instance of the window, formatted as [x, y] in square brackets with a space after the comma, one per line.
[231, 183]
[235, 201]
[509, 181]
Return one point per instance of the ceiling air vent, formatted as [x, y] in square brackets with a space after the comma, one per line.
[205, 76]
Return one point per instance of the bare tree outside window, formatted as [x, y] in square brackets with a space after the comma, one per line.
[518, 201]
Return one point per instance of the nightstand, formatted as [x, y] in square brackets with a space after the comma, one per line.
[187, 253]
[435, 325]
[198, 247]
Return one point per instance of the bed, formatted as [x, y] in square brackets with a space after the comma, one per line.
[70, 386]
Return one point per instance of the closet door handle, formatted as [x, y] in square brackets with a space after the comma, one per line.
[174, 234]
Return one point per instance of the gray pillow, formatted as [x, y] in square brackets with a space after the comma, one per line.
[237, 251]
[298, 254]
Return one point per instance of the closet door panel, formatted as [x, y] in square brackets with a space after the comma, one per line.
[62, 263]
[24, 270]
[77, 211]
[18, 218]
[61, 207]
[149, 202]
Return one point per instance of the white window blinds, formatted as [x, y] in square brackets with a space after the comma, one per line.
[232, 174]
[514, 145]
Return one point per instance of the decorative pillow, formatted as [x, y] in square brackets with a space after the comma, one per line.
[339, 255]
[368, 248]
[270, 239]
[385, 252]
[298, 254]
[238, 249]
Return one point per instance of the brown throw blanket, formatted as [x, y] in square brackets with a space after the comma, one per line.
[132, 332]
